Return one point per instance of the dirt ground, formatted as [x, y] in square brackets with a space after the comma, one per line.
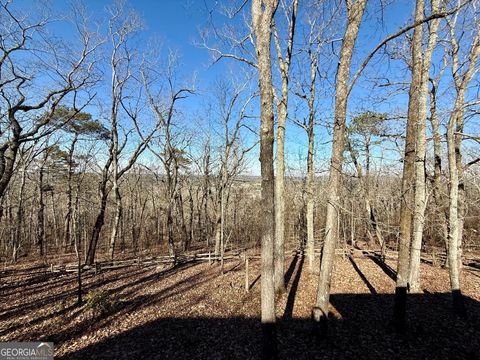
[194, 312]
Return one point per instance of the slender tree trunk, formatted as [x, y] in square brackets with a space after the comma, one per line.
[461, 185]
[437, 172]
[170, 203]
[55, 231]
[408, 177]
[310, 201]
[222, 223]
[97, 228]
[280, 200]
[205, 195]
[456, 191]
[284, 65]
[454, 141]
[191, 217]
[310, 185]
[218, 225]
[68, 216]
[320, 312]
[40, 239]
[364, 186]
[19, 216]
[262, 17]
[79, 259]
[420, 202]
[116, 221]
[181, 217]
[453, 223]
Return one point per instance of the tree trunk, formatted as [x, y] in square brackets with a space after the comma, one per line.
[454, 141]
[8, 155]
[310, 165]
[420, 202]
[262, 16]
[320, 313]
[79, 260]
[310, 202]
[116, 221]
[437, 172]
[191, 217]
[97, 228]
[284, 65]
[222, 223]
[181, 217]
[19, 215]
[218, 225]
[170, 203]
[68, 216]
[408, 177]
[40, 239]
[55, 232]
[280, 200]
[453, 223]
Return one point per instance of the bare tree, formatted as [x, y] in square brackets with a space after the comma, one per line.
[408, 177]
[80, 125]
[232, 114]
[307, 92]
[421, 196]
[455, 129]
[122, 26]
[27, 155]
[171, 155]
[355, 12]
[437, 184]
[360, 139]
[26, 115]
[282, 106]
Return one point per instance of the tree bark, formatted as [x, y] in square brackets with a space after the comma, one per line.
[408, 177]
[116, 221]
[68, 216]
[310, 200]
[40, 235]
[420, 202]
[453, 223]
[310, 165]
[284, 65]
[454, 140]
[438, 198]
[263, 12]
[97, 228]
[320, 314]
[19, 215]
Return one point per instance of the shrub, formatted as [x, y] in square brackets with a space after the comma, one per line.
[99, 302]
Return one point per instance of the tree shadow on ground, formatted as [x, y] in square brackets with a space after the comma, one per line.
[388, 270]
[293, 290]
[362, 332]
[362, 276]
[128, 284]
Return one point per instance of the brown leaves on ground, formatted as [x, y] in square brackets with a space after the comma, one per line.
[192, 311]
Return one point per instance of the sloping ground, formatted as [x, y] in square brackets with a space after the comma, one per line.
[194, 312]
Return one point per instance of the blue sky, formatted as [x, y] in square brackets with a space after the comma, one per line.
[177, 24]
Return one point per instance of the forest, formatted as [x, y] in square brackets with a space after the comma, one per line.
[241, 179]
